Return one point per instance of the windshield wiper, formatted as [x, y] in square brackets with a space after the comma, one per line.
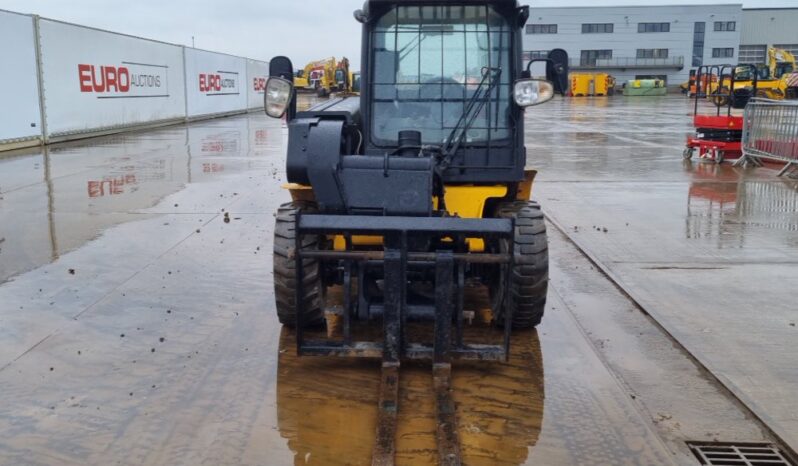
[475, 105]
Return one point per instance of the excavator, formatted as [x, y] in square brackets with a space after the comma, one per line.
[343, 77]
[316, 76]
[776, 80]
[324, 77]
[782, 64]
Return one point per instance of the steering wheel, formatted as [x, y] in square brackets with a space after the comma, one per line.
[431, 89]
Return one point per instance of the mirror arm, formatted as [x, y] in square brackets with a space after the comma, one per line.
[528, 73]
[537, 60]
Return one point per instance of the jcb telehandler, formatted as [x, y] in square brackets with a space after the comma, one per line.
[413, 191]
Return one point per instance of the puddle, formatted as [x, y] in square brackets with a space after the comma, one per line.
[327, 408]
[54, 200]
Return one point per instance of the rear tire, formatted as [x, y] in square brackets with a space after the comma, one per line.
[529, 277]
[285, 282]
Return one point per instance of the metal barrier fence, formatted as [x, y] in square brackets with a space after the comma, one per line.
[770, 131]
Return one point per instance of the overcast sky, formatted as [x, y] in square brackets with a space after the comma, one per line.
[304, 30]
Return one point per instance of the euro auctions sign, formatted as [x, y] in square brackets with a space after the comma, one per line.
[126, 80]
[219, 83]
[259, 85]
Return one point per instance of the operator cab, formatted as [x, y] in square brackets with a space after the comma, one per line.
[746, 72]
[442, 83]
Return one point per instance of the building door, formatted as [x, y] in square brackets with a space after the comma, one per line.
[753, 54]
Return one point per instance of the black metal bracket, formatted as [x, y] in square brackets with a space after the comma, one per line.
[448, 267]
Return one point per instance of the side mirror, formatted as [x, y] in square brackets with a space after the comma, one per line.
[281, 71]
[557, 70]
[360, 16]
[281, 67]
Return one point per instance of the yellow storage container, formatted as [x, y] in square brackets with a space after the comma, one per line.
[598, 84]
[603, 84]
[581, 85]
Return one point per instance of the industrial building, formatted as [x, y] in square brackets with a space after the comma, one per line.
[664, 42]
[768, 27]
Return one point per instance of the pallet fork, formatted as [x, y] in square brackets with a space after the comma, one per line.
[446, 310]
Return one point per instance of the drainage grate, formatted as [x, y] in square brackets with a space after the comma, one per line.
[738, 454]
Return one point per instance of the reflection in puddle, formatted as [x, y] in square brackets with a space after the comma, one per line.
[57, 198]
[722, 204]
[327, 408]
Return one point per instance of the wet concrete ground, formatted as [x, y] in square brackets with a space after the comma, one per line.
[137, 327]
[711, 252]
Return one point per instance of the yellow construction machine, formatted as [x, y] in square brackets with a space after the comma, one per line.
[324, 77]
[782, 65]
[316, 76]
[772, 78]
[343, 77]
[301, 80]
[413, 193]
[781, 62]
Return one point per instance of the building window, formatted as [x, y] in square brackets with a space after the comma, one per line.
[726, 52]
[597, 28]
[535, 54]
[698, 43]
[725, 25]
[589, 57]
[541, 29]
[653, 27]
[652, 53]
[753, 54]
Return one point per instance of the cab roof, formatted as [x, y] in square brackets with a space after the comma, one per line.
[382, 4]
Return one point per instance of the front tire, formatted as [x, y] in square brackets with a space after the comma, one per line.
[529, 277]
[721, 96]
[285, 282]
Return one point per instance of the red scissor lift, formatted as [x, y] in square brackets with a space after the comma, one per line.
[718, 134]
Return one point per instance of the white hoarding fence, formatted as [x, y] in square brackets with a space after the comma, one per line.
[257, 74]
[95, 81]
[214, 83]
[20, 117]
[63, 81]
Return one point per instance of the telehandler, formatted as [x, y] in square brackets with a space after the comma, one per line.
[417, 189]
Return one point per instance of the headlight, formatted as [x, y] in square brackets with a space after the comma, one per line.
[277, 96]
[532, 92]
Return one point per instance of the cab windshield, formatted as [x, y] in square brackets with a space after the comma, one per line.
[745, 73]
[428, 61]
